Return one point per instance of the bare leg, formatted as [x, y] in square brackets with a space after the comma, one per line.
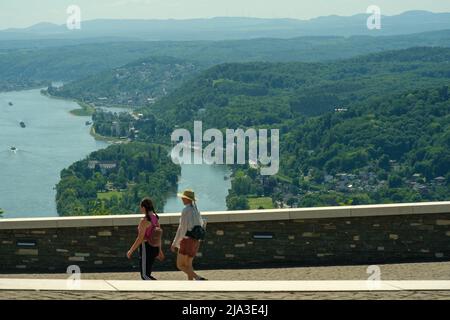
[184, 263]
[190, 268]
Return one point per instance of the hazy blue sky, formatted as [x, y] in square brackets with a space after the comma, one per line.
[23, 13]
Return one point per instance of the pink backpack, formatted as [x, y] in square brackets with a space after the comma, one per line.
[153, 234]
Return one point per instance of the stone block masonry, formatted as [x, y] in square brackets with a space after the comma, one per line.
[239, 239]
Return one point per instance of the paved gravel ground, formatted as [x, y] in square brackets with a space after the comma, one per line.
[64, 295]
[410, 271]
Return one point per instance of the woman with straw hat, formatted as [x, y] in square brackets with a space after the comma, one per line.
[188, 236]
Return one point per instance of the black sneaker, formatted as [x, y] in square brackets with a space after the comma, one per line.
[201, 278]
[153, 278]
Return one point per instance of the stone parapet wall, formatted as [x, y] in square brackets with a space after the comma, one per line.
[312, 236]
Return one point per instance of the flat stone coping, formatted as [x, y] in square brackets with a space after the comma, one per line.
[235, 216]
[222, 286]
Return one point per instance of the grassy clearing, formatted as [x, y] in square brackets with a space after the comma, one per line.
[108, 195]
[222, 80]
[262, 202]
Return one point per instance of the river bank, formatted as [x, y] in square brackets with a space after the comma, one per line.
[99, 137]
[85, 110]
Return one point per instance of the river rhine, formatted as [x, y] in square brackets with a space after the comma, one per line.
[52, 140]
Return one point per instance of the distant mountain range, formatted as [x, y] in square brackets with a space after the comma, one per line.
[226, 28]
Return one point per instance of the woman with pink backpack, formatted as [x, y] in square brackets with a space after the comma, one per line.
[148, 240]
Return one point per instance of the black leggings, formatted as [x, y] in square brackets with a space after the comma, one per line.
[147, 255]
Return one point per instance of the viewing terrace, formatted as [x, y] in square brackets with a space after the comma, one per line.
[289, 253]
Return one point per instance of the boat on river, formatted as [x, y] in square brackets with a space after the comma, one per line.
[22, 124]
[13, 149]
[10, 103]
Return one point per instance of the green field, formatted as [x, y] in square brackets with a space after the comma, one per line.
[99, 137]
[85, 111]
[263, 202]
[108, 195]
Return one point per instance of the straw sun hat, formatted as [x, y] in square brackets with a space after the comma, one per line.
[188, 194]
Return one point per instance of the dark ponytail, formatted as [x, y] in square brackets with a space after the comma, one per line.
[147, 204]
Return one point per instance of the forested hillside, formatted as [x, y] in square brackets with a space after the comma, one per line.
[392, 149]
[268, 94]
[136, 84]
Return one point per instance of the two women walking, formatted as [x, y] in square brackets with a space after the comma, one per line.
[185, 244]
